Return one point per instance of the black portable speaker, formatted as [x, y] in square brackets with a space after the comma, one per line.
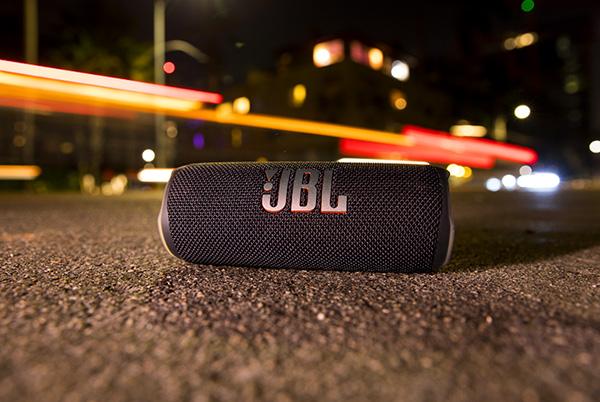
[309, 215]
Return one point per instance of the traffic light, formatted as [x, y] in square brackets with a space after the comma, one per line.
[169, 67]
[527, 5]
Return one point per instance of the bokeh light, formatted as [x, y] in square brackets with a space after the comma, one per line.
[527, 5]
[542, 181]
[19, 172]
[198, 140]
[148, 155]
[326, 53]
[298, 95]
[595, 147]
[154, 175]
[525, 170]
[456, 170]
[375, 58]
[241, 105]
[398, 99]
[400, 70]
[522, 112]
[468, 130]
[509, 182]
[169, 67]
[493, 184]
[321, 56]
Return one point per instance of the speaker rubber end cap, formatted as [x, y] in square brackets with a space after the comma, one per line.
[163, 223]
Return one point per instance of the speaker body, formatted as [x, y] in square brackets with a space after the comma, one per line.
[309, 215]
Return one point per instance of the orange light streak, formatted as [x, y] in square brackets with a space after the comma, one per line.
[53, 89]
[19, 172]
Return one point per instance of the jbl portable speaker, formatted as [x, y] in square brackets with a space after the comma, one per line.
[309, 215]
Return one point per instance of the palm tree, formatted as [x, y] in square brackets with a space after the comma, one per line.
[126, 58]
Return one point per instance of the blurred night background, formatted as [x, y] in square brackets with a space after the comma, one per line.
[101, 99]
[498, 92]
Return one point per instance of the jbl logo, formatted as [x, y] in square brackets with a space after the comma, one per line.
[305, 184]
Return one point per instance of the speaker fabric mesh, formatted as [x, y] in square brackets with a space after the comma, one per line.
[397, 218]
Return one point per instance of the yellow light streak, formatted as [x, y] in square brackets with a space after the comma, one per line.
[31, 88]
[97, 94]
[299, 126]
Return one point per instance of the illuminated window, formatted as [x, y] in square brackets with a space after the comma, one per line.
[236, 137]
[467, 130]
[509, 44]
[298, 95]
[375, 58]
[241, 105]
[571, 84]
[519, 41]
[372, 57]
[67, 148]
[398, 99]
[327, 53]
[527, 39]
[359, 53]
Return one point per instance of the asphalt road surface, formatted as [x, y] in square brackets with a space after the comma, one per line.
[93, 308]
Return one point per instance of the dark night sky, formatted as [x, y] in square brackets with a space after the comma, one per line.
[266, 26]
[423, 29]
[430, 30]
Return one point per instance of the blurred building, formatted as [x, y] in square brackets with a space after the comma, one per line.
[337, 80]
[543, 57]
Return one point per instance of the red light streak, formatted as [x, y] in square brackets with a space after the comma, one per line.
[108, 82]
[426, 153]
[439, 147]
[470, 146]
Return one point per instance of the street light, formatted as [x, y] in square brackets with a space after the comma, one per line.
[31, 56]
[595, 147]
[400, 70]
[522, 112]
[160, 68]
[527, 6]
[241, 105]
[509, 181]
[148, 155]
[159, 75]
[169, 67]
[321, 55]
